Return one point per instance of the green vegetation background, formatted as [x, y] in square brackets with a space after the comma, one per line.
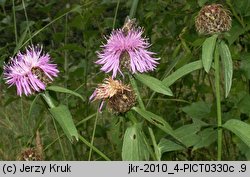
[72, 38]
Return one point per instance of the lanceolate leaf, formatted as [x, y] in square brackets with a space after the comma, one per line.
[208, 51]
[207, 137]
[187, 134]
[154, 84]
[239, 128]
[227, 66]
[64, 90]
[154, 119]
[186, 69]
[64, 118]
[134, 147]
[166, 145]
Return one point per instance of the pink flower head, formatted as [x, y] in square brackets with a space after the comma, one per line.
[129, 50]
[31, 71]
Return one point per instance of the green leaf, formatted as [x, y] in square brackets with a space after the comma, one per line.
[23, 37]
[244, 149]
[63, 116]
[202, 2]
[208, 51]
[186, 69]
[64, 90]
[134, 147]
[239, 128]
[154, 84]
[166, 145]
[234, 33]
[207, 137]
[244, 104]
[198, 110]
[187, 134]
[155, 120]
[33, 106]
[227, 66]
[245, 64]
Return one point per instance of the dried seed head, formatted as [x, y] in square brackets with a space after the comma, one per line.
[120, 97]
[213, 19]
[29, 154]
[122, 101]
[108, 89]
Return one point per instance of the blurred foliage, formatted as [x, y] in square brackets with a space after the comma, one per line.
[72, 32]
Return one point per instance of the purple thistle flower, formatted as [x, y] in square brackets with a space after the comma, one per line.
[126, 50]
[31, 71]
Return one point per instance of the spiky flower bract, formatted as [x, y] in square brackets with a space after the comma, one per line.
[30, 71]
[121, 98]
[126, 50]
[213, 19]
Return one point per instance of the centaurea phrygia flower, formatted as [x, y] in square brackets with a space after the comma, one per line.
[126, 49]
[120, 97]
[30, 71]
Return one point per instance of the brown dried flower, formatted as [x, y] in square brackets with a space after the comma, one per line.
[213, 19]
[29, 154]
[121, 98]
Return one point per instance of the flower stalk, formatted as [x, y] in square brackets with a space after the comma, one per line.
[218, 101]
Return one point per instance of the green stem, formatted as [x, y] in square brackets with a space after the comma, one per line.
[218, 103]
[50, 103]
[133, 9]
[27, 20]
[168, 70]
[131, 117]
[156, 149]
[240, 20]
[41, 29]
[59, 139]
[66, 64]
[93, 136]
[22, 114]
[138, 96]
[14, 20]
[116, 11]
[48, 100]
[93, 147]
